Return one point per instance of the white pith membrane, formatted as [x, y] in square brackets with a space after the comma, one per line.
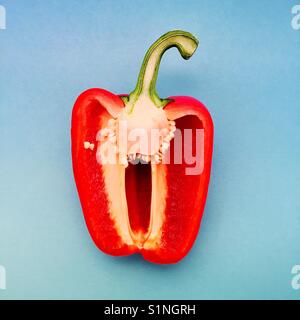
[147, 138]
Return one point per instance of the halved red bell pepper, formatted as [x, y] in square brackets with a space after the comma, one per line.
[138, 197]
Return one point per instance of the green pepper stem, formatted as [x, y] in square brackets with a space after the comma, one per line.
[185, 42]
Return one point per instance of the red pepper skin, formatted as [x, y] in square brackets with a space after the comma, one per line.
[184, 207]
[90, 106]
[186, 201]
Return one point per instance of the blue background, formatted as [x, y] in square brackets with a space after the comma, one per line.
[246, 71]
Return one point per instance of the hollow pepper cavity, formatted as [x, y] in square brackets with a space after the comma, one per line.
[139, 191]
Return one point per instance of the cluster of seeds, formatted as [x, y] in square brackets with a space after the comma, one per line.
[110, 134]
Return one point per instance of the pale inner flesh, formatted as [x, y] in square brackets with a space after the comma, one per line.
[117, 149]
[114, 176]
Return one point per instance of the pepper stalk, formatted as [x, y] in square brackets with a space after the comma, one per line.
[184, 41]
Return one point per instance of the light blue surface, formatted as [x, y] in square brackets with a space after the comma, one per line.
[246, 71]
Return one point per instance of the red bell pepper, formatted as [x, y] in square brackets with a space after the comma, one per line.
[136, 198]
